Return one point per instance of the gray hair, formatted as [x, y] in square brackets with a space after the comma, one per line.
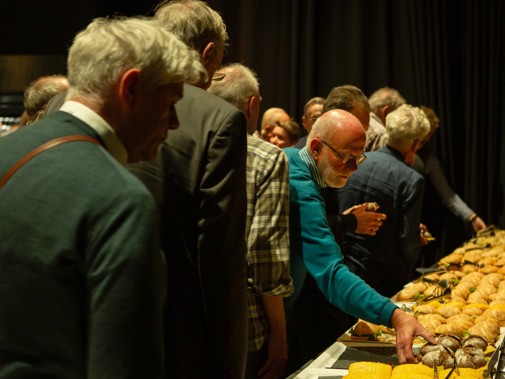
[237, 86]
[193, 21]
[386, 96]
[346, 97]
[40, 91]
[314, 100]
[404, 125]
[107, 48]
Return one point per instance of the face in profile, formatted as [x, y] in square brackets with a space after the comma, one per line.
[313, 113]
[153, 116]
[336, 163]
[267, 128]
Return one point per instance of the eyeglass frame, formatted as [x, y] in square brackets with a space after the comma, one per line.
[346, 159]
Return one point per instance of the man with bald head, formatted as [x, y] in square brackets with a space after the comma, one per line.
[270, 117]
[334, 150]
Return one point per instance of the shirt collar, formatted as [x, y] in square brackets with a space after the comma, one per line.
[112, 143]
[311, 164]
[376, 118]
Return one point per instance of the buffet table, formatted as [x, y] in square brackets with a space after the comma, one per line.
[335, 360]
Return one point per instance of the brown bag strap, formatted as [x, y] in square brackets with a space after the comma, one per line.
[45, 146]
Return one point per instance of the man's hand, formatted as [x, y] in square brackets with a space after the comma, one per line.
[277, 358]
[369, 220]
[276, 340]
[407, 328]
[426, 236]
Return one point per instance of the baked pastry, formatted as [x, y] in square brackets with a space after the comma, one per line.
[438, 358]
[458, 328]
[425, 308]
[473, 310]
[430, 324]
[473, 278]
[448, 310]
[487, 328]
[429, 347]
[474, 341]
[488, 269]
[471, 357]
[497, 313]
[451, 341]
[468, 268]
[454, 258]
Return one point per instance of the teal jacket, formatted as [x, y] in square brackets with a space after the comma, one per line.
[313, 248]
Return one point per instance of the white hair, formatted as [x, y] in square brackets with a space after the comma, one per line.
[237, 86]
[107, 48]
[404, 125]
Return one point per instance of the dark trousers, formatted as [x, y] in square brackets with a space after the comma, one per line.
[255, 362]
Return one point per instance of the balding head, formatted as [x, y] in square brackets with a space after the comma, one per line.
[270, 118]
[336, 142]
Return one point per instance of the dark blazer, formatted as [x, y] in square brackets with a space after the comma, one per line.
[387, 260]
[82, 280]
[198, 181]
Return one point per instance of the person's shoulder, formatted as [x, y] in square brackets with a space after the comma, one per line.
[256, 144]
[264, 153]
[201, 100]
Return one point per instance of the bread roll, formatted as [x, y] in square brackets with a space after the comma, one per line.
[471, 357]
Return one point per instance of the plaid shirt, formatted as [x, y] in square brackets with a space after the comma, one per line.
[267, 231]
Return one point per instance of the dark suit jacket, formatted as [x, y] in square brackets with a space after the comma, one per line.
[387, 260]
[198, 182]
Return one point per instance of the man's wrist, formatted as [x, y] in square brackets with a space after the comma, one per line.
[472, 218]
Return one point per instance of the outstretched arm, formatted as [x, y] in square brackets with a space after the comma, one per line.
[407, 328]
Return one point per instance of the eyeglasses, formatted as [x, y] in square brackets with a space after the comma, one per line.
[346, 159]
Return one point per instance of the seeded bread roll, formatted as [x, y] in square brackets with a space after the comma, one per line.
[471, 357]
[451, 341]
[438, 358]
[474, 341]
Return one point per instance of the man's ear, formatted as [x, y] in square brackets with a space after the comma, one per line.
[252, 103]
[416, 144]
[129, 86]
[207, 52]
[384, 111]
[411, 152]
[315, 145]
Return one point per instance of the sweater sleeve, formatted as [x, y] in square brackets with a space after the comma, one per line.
[447, 195]
[323, 259]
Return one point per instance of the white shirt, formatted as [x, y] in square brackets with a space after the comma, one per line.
[112, 143]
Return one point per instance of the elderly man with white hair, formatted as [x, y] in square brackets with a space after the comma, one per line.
[83, 280]
[387, 260]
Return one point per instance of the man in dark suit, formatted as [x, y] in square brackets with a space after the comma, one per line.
[387, 260]
[199, 185]
[82, 278]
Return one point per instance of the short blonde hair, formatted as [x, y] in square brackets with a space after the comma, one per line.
[404, 125]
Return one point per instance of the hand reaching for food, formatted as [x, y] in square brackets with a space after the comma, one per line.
[369, 220]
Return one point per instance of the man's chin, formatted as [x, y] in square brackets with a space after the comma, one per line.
[339, 183]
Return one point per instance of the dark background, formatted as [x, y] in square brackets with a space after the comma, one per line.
[445, 54]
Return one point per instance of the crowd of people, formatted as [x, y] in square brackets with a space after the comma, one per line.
[151, 229]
